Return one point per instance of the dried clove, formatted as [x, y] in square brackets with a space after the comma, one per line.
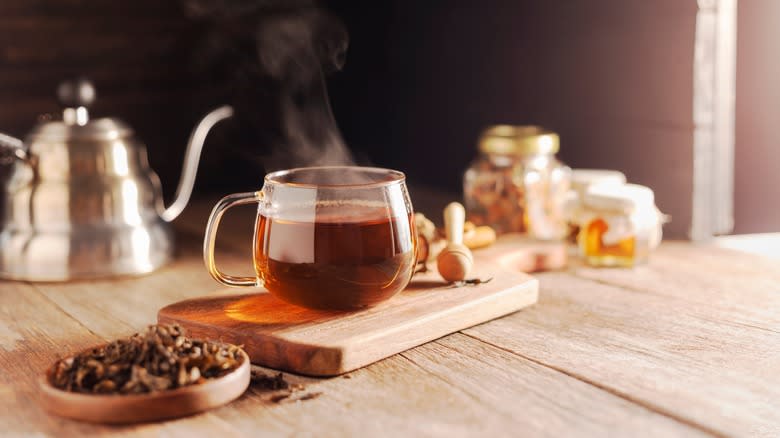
[309, 396]
[159, 359]
[280, 397]
[265, 382]
[470, 282]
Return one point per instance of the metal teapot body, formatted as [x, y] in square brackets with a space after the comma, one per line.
[81, 200]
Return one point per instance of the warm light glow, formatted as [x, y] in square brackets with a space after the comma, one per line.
[119, 154]
[130, 203]
[264, 309]
[140, 242]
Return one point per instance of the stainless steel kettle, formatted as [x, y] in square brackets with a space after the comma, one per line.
[80, 200]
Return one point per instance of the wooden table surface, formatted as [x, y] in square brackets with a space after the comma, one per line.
[687, 345]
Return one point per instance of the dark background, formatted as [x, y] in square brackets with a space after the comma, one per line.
[421, 80]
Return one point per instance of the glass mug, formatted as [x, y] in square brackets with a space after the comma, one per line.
[331, 238]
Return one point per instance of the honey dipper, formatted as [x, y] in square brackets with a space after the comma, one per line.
[455, 260]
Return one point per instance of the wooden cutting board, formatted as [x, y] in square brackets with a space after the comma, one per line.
[282, 336]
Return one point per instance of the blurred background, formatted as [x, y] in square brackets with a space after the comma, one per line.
[414, 84]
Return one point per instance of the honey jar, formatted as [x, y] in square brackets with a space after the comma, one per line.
[581, 180]
[516, 184]
[619, 225]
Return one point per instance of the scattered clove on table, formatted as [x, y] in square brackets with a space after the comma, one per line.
[263, 381]
[283, 391]
[470, 282]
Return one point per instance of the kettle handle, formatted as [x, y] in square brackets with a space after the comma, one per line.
[192, 159]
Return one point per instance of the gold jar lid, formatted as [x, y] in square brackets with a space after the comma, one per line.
[518, 140]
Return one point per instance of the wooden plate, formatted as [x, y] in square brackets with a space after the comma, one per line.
[117, 409]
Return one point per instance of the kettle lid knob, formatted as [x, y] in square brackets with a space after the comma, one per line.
[75, 96]
[76, 93]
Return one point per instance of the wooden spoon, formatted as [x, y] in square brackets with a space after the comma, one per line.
[455, 261]
[118, 409]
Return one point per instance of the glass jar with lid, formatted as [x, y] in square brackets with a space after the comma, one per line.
[517, 184]
[619, 225]
[581, 180]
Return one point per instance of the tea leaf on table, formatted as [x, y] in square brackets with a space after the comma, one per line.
[470, 282]
[265, 382]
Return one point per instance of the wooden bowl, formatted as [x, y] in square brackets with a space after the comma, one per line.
[118, 409]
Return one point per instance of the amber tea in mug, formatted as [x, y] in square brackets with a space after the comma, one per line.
[339, 261]
[336, 238]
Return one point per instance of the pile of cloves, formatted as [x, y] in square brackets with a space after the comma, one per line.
[159, 359]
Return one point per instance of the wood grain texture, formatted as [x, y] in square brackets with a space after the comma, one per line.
[394, 396]
[694, 362]
[318, 343]
[683, 346]
[43, 333]
[508, 380]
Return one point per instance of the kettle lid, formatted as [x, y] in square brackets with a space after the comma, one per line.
[76, 96]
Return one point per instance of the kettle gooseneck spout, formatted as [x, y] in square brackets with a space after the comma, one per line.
[191, 161]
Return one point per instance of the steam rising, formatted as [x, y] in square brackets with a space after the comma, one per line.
[274, 55]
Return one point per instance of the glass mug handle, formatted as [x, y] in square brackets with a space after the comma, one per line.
[211, 238]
